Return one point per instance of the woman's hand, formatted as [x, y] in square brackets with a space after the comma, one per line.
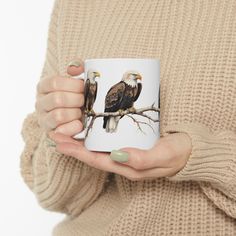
[59, 101]
[168, 156]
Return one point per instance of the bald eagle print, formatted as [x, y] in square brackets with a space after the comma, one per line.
[120, 97]
[90, 92]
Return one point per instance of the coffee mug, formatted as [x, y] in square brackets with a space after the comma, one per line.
[121, 106]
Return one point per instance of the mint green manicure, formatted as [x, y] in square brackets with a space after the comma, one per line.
[120, 156]
[50, 142]
[74, 63]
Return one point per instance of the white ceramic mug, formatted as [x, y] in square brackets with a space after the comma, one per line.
[121, 106]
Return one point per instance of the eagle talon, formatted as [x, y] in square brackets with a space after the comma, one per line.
[92, 112]
[120, 111]
[132, 109]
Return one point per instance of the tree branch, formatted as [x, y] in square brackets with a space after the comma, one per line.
[127, 112]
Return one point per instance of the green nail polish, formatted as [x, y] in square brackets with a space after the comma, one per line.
[51, 145]
[50, 142]
[74, 63]
[120, 156]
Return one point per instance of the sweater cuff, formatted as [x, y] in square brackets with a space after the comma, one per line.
[212, 158]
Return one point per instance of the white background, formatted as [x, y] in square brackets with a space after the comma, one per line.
[23, 35]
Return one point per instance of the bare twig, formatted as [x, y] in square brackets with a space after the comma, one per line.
[141, 122]
[127, 112]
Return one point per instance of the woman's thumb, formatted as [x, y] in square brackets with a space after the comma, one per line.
[75, 67]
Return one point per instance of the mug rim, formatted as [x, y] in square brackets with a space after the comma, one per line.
[121, 58]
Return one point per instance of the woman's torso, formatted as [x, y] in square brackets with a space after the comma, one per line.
[196, 44]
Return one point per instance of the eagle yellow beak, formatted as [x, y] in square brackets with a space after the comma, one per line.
[97, 74]
[138, 77]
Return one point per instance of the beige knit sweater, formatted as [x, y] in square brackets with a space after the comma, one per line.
[196, 43]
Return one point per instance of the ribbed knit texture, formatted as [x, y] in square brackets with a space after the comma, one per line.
[196, 43]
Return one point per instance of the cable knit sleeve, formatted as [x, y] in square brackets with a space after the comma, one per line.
[212, 162]
[60, 183]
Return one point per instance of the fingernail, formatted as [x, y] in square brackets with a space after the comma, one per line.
[51, 145]
[120, 156]
[74, 63]
[50, 142]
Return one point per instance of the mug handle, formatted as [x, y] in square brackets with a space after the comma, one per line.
[80, 135]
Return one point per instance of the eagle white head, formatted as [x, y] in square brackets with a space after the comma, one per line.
[130, 77]
[92, 75]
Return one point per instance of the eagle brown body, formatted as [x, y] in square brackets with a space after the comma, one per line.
[90, 94]
[120, 96]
